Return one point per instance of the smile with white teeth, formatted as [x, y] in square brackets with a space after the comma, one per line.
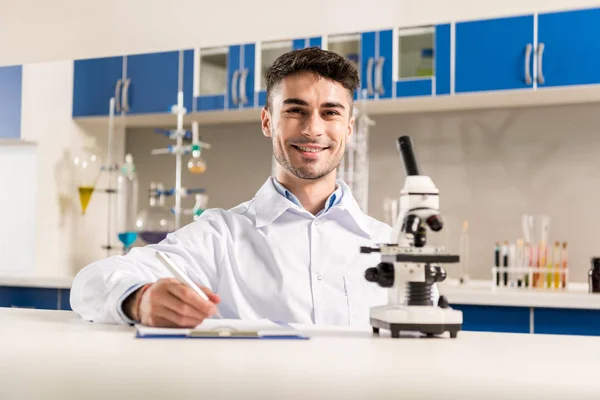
[310, 149]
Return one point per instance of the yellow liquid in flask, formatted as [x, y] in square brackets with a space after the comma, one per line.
[85, 194]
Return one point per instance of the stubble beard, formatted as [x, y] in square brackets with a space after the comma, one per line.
[306, 171]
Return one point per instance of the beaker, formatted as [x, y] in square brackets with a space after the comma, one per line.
[155, 223]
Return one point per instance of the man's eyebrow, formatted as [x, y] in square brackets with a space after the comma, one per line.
[333, 104]
[295, 101]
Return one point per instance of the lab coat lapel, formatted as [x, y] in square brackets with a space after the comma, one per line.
[269, 204]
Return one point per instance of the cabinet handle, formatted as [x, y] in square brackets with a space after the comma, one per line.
[379, 76]
[118, 96]
[126, 95]
[370, 76]
[243, 97]
[540, 68]
[527, 63]
[234, 88]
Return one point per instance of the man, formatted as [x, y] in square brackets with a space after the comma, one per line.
[292, 253]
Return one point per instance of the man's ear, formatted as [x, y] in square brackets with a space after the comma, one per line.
[350, 127]
[265, 119]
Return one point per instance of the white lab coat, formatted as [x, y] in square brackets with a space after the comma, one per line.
[266, 258]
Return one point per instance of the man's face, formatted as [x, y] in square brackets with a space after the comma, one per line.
[309, 122]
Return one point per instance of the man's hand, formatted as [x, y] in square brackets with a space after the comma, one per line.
[169, 303]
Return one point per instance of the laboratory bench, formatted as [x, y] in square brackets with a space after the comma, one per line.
[56, 354]
[571, 312]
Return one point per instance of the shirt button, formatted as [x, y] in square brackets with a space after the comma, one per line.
[320, 277]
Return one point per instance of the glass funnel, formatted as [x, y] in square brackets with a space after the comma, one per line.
[87, 165]
[157, 221]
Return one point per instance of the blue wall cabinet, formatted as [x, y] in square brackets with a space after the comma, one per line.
[95, 81]
[376, 64]
[211, 76]
[241, 75]
[267, 53]
[494, 54]
[304, 43]
[568, 50]
[10, 102]
[153, 82]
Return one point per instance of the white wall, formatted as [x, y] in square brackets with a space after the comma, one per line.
[18, 180]
[70, 29]
[65, 240]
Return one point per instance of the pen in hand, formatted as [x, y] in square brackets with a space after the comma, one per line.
[181, 277]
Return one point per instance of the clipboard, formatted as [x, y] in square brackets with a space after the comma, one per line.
[225, 329]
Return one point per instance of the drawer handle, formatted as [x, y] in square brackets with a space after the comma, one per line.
[527, 63]
[234, 88]
[126, 95]
[540, 68]
[379, 76]
[118, 95]
[370, 76]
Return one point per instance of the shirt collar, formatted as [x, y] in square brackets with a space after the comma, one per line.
[332, 200]
[271, 204]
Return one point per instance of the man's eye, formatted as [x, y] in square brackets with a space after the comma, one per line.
[294, 110]
[331, 112]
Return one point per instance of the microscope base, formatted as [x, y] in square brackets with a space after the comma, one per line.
[423, 319]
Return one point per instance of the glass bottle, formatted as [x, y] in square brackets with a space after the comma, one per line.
[155, 223]
[127, 201]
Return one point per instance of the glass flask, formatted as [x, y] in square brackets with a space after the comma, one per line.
[127, 200]
[87, 166]
[196, 164]
[157, 221]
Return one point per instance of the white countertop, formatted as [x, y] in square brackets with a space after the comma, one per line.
[54, 282]
[54, 354]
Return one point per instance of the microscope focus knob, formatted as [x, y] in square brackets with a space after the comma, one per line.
[383, 275]
[440, 274]
[372, 275]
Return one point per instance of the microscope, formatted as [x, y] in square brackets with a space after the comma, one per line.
[409, 261]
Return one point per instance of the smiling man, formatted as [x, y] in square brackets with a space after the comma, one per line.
[290, 254]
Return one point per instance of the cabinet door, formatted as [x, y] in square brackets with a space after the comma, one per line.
[188, 79]
[494, 318]
[367, 64]
[560, 321]
[233, 77]
[383, 64]
[10, 102]
[95, 81]
[65, 300]
[211, 78]
[494, 54]
[307, 42]
[568, 48]
[25, 297]
[442, 59]
[247, 76]
[269, 52]
[153, 83]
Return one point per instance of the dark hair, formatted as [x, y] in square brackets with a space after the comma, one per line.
[324, 63]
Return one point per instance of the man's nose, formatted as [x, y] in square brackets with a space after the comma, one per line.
[314, 126]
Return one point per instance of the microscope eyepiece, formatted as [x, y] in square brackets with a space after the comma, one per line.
[407, 150]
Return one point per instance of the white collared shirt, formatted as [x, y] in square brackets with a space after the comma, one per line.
[265, 258]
